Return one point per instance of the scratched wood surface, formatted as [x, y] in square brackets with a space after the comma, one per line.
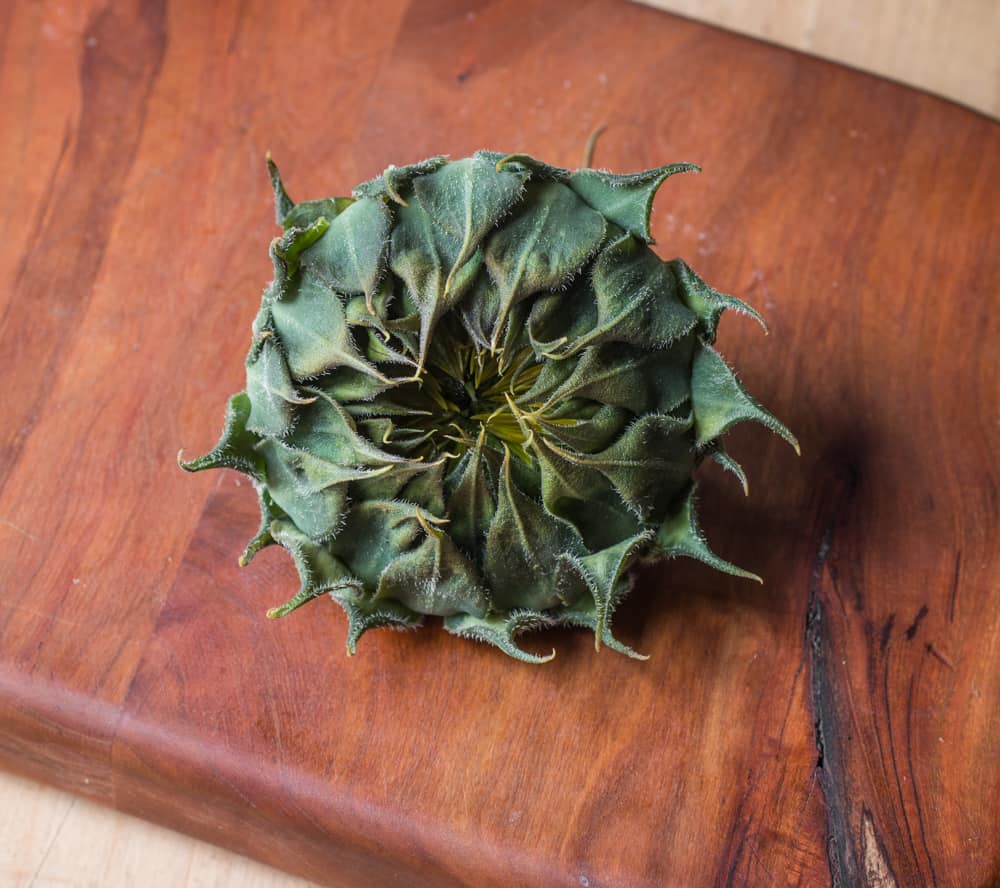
[838, 724]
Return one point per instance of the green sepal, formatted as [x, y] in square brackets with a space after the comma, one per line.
[582, 497]
[405, 441]
[309, 211]
[622, 375]
[283, 204]
[586, 434]
[651, 461]
[270, 512]
[363, 616]
[466, 198]
[533, 250]
[636, 300]
[478, 312]
[705, 301]
[680, 535]
[319, 571]
[719, 455]
[602, 571]
[271, 391]
[523, 549]
[350, 257]
[235, 449]
[395, 180]
[376, 350]
[393, 403]
[427, 259]
[309, 472]
[372, 311]
[556, 319]
[393, 485]
[407, 330]
[314, 333]
[720, 401]
[346, 385]
[434, 578]
[312, 491]
[501, 630]
[539, 169]
[286, 252]
[584, 615]
[471, 504]
[426, 488]
[625, 199]
[375, 532]
[326, 430]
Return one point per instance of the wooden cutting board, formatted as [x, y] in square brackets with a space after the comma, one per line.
[838, 724]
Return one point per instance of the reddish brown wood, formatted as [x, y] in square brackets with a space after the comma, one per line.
[838, 723]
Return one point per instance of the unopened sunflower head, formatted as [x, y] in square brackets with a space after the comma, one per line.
[474, 391]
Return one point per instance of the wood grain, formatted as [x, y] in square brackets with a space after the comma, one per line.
[943, 46]
[838, 724]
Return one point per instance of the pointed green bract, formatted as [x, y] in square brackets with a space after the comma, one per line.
[363, 616]
[473, 391]
[540, 171]
[616, 373]
[472, 506]
[585, 616]
[705, 301]
[500, 631]
[652, 456]
[426, 488]
[271, 392]
[286, 253]
[351, 254]
[374, 534]
[718, 454]
[635, 299]
[270, 512]
[308, 212]
[299, 483]
[523, 546]
[395, 182]
[625, 200]
[466, 199]
[434, 578]
[283, 204]
[423, 257]
[720, 401]
[312, 329]
[602, 572]
[319, 571]
[531, 253]
[235, 449]
[587, 434]
[680, 535]
[326, 430]
[581, 496]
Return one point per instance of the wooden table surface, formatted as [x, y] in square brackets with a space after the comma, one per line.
[839, 723]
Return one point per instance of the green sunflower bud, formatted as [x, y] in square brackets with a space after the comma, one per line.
[474, 391]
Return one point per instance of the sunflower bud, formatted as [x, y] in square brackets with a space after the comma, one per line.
[474, 391]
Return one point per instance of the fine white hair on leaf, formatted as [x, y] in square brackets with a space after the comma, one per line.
[398, 386]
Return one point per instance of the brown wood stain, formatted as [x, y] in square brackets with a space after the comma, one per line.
[838, 724]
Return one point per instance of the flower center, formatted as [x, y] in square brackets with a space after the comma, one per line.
[467, 393]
